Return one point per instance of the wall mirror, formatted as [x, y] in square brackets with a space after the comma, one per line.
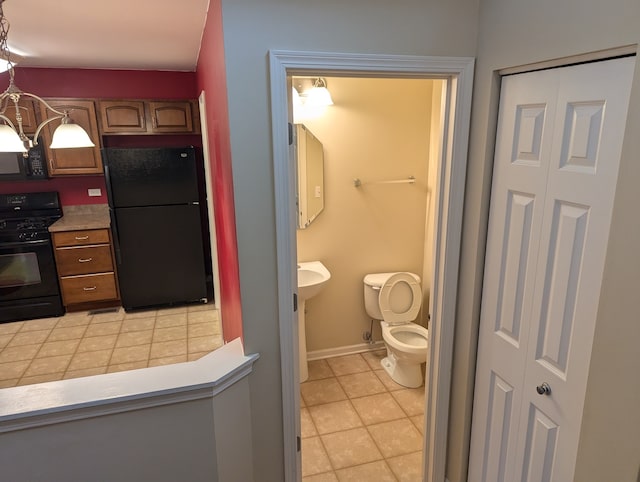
[310, 173]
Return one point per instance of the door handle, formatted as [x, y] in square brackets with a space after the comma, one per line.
[84, 260]
[543, 389]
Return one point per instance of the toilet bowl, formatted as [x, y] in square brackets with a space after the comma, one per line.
[395, 300]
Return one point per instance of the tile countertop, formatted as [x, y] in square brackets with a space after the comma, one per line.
[90, 216]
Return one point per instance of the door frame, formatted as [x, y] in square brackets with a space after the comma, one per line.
[458, 71]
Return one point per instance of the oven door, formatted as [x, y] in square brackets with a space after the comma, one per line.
[27, 270]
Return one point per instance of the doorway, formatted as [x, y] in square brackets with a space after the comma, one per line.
[458, 73]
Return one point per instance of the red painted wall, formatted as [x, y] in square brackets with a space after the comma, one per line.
[114, 84]
[212, 80]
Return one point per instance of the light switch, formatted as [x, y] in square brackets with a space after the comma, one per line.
[318, 191]
[95, 192]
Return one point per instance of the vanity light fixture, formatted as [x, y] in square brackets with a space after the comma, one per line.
[12, 137]
[319, 95]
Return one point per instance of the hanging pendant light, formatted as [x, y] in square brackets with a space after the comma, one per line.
[67, 134]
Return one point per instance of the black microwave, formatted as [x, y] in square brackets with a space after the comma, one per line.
[16, 166]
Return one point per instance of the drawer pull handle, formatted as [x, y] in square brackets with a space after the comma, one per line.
[81, 238]
[84, 260]
[90, 288]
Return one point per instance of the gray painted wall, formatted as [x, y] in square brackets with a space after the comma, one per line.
[251, 28]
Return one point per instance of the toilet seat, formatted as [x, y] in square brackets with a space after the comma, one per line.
[394, 282]
[410, 339]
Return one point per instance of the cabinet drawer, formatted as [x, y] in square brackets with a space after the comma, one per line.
[93, 287]
[78, 238]
[84, 260]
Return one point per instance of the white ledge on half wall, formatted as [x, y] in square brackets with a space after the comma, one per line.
[77, 398]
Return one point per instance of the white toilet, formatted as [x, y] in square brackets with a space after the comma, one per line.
[395, 299]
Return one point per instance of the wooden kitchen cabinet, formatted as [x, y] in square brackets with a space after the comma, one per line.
[149, 117]
[86, 268]
[27, 112]
[82, 160]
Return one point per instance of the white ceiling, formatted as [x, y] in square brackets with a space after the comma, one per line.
[109, 34]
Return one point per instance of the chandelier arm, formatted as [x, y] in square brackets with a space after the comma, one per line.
[5, 118]
[37, 134]
[46, 104]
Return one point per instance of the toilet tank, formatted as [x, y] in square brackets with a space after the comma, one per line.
[372, 284]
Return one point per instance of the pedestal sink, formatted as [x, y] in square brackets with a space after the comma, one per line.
[312, 276]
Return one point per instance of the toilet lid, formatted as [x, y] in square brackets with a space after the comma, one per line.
[400, 298]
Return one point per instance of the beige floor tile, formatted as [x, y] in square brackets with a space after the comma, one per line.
[90, 359]
[137, 324]
[17, 353]
[74, 319]
[39, 324]
[167, 360]
[314, 457]
[29, 338]
[11, 370]
[96, 343]
[67, 333]
[361, 384]
[56, 348]
[135, 315]
[378, 408]
[307, 428]
[134, 338]
[204, 329]
[108, 316]
[326, 477]
[302, 404]
[418, 421]
[169, 334]
[335, 416]
[85, 372]
[129, 354]
[373, 358]
[10, 328]
[387, 381]
[168, 348]
[377, 471]
[166, 321]
[411, 400]
[45, 366]
[351, 447]
[204, 343]
[201, 307]
[5, 339]
[397, 437]
[171, 311]
[348, 364]
[407, 468]
[322, 391]
[319, 369]
[9, 383]
[107, 328]
[123, 367]
[196, 356]
[201, 317]
[49, 377]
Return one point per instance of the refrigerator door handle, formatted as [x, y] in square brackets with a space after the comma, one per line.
[116, 236]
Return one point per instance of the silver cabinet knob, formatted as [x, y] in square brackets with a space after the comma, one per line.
[544, 389]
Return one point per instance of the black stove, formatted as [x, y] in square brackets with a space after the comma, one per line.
[28, 279]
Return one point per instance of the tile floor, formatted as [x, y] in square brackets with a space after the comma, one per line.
[358, 424]
[82, 344]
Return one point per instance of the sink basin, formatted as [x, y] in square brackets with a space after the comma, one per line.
[312, 276]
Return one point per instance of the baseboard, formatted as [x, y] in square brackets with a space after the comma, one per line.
[344, 350]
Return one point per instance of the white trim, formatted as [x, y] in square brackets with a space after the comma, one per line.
[345, 350]
[202, 103]
[80, 398]
[459, 73]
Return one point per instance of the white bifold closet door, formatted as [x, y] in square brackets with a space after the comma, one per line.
[558, 148]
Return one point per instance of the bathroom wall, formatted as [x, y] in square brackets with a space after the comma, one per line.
[377, 130]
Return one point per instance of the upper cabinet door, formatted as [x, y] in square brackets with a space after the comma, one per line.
[83, 160]
[122, 116]
[27, 111]
[171, 116]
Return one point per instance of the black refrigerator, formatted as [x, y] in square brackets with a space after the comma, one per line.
[156, 225]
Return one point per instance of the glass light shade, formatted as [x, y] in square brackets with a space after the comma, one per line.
[69, 135]
[296, 100]
[318, 96]
[10, 140]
